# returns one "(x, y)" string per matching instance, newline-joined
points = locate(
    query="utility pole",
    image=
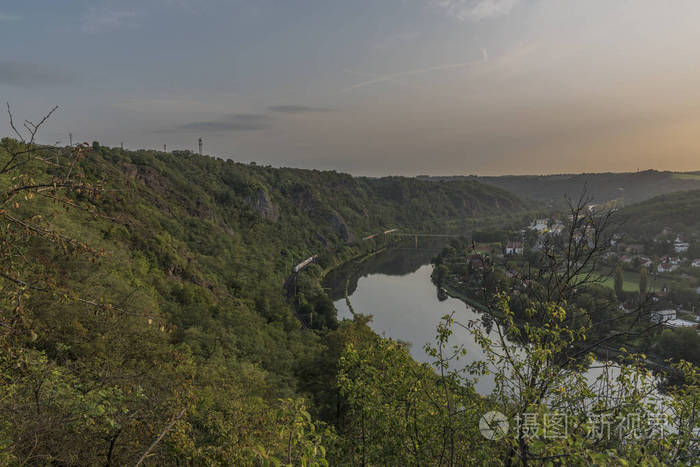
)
(200, 146)
(70, 139)
(165, 148)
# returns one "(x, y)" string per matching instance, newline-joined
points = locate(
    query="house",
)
(696, 263)
(680, 323)
(680, 246)
(514, 248)
(557, 228)
(666, 267)
(668, 264)
(540, 225)
(668, 318)
(662, 316)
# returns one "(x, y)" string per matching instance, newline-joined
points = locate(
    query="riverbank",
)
(653, 362)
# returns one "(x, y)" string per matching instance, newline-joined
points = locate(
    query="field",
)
(656, 281)
(630, 282)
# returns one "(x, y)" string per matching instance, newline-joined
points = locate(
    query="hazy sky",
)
(367, 86)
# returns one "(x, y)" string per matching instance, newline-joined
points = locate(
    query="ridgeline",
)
(181, 315)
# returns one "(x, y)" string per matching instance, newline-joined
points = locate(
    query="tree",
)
(619, 281)
(399, 412)
(643, 279)
(83, 381)
(539, 358)
(440, 274)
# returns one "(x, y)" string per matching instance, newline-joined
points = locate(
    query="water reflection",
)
(395, 288)
(394, 262)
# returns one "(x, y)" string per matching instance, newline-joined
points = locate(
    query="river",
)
(396, 289)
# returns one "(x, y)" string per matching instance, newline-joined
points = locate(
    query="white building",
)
(514, 248)
(540, 225)
(668, 264)
(680, 323)
(662, 316)
(666, 267)
(668, 318)
(680, 246)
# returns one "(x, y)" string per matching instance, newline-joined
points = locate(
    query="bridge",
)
(406, 234)
(415, 235)
(424, 235)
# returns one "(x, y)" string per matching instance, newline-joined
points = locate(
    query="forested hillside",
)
(677, 211)
(147, 296)
(631, 187)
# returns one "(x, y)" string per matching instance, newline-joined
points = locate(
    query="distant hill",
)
(678, 211)
(631, 187)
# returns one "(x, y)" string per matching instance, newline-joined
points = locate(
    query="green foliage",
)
(643, 281)
(619, 281)
(144, 290)
(674, 210)
(399, 412)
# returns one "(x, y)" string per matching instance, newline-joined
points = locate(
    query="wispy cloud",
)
(394, 76)
(31, 75)
(296, 109)
(4, 17)
(234, 122)
(102, 19)
(477, 10)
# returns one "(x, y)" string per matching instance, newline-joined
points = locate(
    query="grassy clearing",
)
(630, 282)
(655, 282)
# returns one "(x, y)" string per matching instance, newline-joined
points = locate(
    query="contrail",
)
(391, 76)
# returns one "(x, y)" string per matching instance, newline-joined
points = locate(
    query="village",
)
(664, 269)
(671, 266)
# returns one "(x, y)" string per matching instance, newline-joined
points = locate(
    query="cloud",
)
(235, 122)
(296, 109)
(30, 75)
(377, 78)
(477, 10)
(102, 19)
(4, 17)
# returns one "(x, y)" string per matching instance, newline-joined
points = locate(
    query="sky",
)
(370, 87)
